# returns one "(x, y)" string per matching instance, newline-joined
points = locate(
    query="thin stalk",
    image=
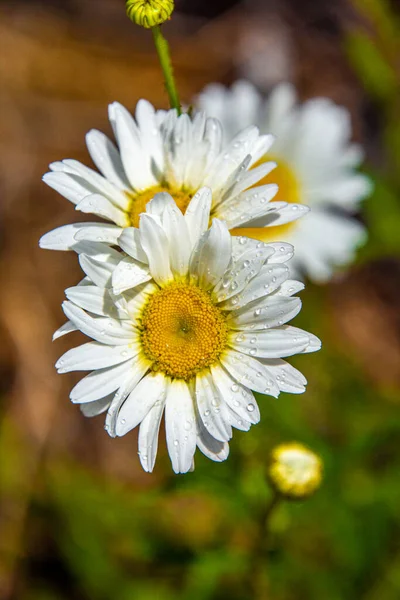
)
(258, 581)
(162, 48)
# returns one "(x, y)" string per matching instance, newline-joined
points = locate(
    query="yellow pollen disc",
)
(139, 200)
(289, 191)
(182, 331)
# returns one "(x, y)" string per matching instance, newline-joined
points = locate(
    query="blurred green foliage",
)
(195, 536)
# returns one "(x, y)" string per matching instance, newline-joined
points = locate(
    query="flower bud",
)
(149, 13)
(295, 472)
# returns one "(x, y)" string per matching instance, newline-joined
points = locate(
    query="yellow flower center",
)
(182, 331)
(182, 198)
(289, 191)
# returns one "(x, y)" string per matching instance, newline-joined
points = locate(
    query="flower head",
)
(161, 152)
(149, 13)
(316, 167)
(188, 321)
(295, 471)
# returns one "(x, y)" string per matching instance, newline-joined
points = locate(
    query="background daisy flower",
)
(159, 151)
(190, 322)
(316, 166)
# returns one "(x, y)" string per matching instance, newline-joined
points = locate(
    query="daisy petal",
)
(99, 232)
(209, 446)
(210, 407)
(99, 383)
(95, 356)
(180, 426)
(265, 313)
(174, 225)
(101, 206)
(242, 272)
(68, 327)
(149, 391)
(159, 203)
(273, 343)
(65, 185)
(290, 287)
(98, 271)
(95, 408)
(127, 385)
(283, 252)
(240, 399)
(103, 330)
(63, 238)
(197, 214)
(155, 244)
(148, 436)
(129, 274)
(129, 241)
(249, 372)
(211, 256)
(106, 158)
(137, 163)
(269, 279)
(287, 377)
(94, 299)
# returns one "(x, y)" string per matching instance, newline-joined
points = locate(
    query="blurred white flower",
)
(189, 321)
(161, 152)
(316, 167)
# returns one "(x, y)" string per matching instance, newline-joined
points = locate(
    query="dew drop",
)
(250, 407)
(234, 387)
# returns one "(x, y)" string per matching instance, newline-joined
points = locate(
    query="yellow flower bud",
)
(295, 471)
(149, 13)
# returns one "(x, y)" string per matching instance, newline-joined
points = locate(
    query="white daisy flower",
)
(189, 322)
(161, 152)
(316, 163)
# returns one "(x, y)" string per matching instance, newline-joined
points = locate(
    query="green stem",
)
(162, 48)
(270, 508)
(258, 582)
